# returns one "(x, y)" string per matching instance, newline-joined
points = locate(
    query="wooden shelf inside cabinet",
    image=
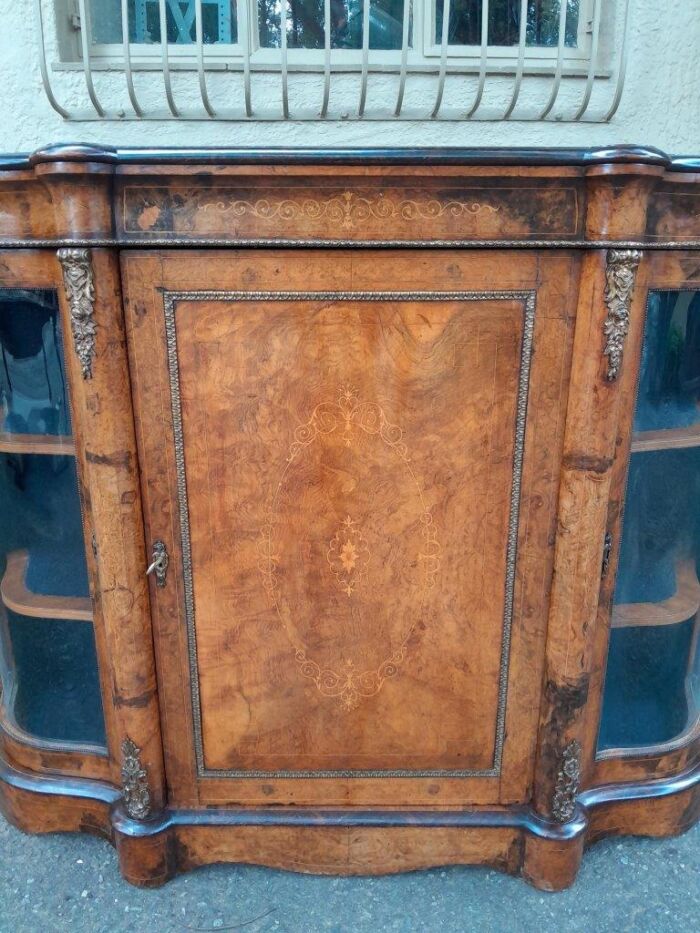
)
(57, 444)
(667, 439)
(19, 599)
(683, 605)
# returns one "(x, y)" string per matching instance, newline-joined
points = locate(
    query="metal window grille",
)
(184, 75)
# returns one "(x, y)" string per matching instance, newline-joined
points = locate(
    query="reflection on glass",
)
(32, 398)
(48, 667)
(669, 381)
(504, 22)
(652, 686)
(306, 24)
(53, 679)
(219, 21)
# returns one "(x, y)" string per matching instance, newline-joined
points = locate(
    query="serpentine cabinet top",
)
(99, 196)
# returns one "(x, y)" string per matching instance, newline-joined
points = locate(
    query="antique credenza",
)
(312, 483)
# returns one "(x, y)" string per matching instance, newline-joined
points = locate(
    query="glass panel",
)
(669, 382)
(306, 24)
(31, 370)
(219, 21)
(54, 676)
(504, 22)
(48, 664)
(652, 684)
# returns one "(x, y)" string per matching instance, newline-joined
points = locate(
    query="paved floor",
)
(57, 883)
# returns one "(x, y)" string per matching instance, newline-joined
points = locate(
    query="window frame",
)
(423, 55)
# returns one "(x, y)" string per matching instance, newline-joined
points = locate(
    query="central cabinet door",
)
(352, 459)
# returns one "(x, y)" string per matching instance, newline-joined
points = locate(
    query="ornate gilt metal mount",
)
(159, 562)
(607, 551)
(80, 290)
(137, 796)
(568, 779)
(620, 274)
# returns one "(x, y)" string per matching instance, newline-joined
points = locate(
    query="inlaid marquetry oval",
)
(361, 529)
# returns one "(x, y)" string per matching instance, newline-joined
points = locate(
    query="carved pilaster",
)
(620, 274)
(80, 290)
(137, 796)
(566, 788)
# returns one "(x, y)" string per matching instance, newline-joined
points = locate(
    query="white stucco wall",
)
(660, 106)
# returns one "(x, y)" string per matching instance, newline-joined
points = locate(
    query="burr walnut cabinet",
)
(313, 470)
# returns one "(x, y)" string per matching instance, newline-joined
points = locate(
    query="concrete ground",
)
(57, 883)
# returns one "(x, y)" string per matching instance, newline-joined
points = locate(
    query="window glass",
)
(504, 22)
(219, 21)
(306, 24)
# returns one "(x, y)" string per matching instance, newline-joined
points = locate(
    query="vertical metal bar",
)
(85, 42)
(44, 67)
(522, 39)
(590, 78)
(560, 59)
(484, 57)
(404, 56)
(127, 59)
(244, 42)
(164, 58)
(443, 57)
(622, 68)
(284, 12)
(327, 56)
(200, 58)
(365, 56)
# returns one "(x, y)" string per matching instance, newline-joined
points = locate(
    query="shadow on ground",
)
(57, 883)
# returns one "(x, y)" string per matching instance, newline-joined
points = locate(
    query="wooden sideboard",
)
(367, 418)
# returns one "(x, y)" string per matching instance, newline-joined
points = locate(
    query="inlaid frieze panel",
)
(674, 213)
(345, 210)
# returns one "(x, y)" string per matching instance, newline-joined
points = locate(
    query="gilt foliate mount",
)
(79, 283)
(567, 783)
(137, 795)
(620, 275)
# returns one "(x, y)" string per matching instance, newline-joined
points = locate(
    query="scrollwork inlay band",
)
(137, 796)
(620, 273)
(347, 209)
(80, 291)
(567, 784)
(170, 303)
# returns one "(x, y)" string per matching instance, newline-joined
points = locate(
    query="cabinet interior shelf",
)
(683, 605)
(667, 439)
(18, 598)
(56, 444)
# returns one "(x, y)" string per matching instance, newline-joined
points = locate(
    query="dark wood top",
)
(85, 152)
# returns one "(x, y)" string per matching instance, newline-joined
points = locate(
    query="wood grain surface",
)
(351, 470)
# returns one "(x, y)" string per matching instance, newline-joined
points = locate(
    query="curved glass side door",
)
(652, 684)
(48, 663)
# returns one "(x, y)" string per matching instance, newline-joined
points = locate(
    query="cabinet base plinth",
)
(349, 842)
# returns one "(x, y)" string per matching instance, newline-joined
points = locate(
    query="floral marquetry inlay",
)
(349, 423)
(348, 556)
